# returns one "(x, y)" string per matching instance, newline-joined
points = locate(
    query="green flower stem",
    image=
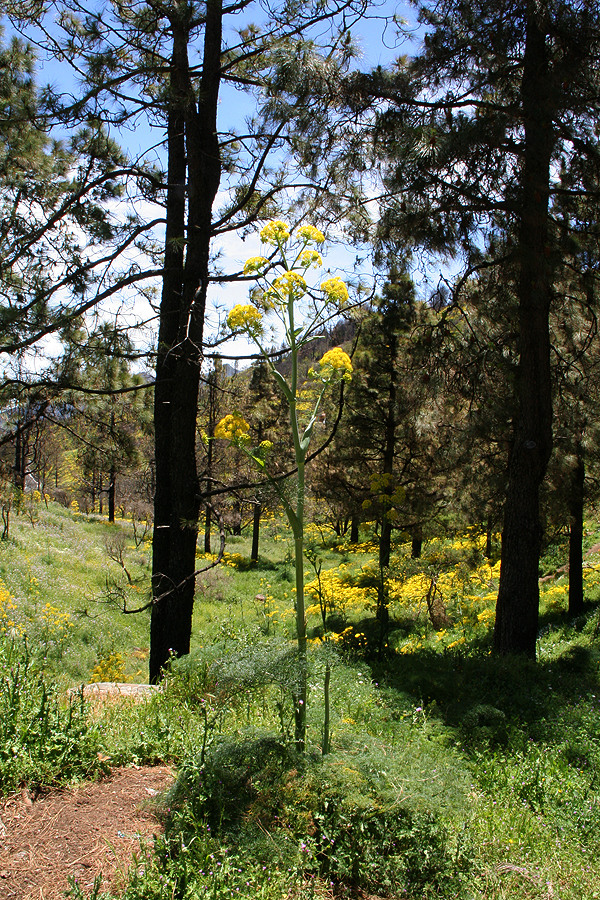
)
(297, 337)
(300, 696)
(295, 516)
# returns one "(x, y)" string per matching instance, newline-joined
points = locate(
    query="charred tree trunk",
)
(416, 544)
(112, 475)
(212, 416)
(385, 540)
(576, 507)
(21, 453)
(257, 512)
(193, 161)
(354, 528)
(517, 607)
(209, 470)
(112, 491)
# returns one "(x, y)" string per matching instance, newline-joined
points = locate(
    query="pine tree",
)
(473, 130)
(391, 432)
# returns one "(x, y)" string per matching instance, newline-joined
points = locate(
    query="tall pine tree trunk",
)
(518, 596)
(576, 507)
(416, 543)
(256, 514)
(21, 452)
(389, 450)
(193, 159)
(112, 483)
(112, 491)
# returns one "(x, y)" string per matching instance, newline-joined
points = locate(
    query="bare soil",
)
(83, 832)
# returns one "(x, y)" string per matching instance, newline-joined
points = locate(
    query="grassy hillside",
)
(451, 773)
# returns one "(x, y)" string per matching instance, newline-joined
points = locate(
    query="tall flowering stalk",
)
(284, 294)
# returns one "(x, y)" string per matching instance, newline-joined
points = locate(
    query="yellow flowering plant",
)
(233, 428)
(335, 290)
(275, 232)
(333, 363)
(280, 295)
(245, 318)
(255, 264)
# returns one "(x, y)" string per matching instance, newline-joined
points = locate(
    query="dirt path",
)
(82, 832)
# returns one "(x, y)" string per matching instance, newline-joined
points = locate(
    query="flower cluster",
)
(335, 290)
(263, 449)
(310, 234)
(245, 318)
(54, 619)
(334, 362)
(290, 285)
(310, 258)
(8, 609)
(275, 232)
(234, 428)
(255, 265)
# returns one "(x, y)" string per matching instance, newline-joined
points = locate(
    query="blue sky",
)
(378, 45)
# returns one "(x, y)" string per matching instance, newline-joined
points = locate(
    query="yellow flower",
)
(245, 318)
(255, 264)
(233, 428)
(261, 452)
(275, 232)
(335, 290)
(336, 360)
(310, 258)
(290, 284)
(310, 233)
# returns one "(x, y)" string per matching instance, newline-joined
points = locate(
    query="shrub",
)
(42, 740)
(336, 819)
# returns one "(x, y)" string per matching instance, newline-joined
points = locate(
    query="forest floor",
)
(86, 831)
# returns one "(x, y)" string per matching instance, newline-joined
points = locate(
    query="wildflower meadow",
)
(440, 778)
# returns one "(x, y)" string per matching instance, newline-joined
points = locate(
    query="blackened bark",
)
(112, 490)
(518, 596)
(385, 545)
(21, 453)
(389, 449)
(576, 506)
(255, 530)
(213, 405)
(112, 484)
(193, 162)
(385, 539)
(207, 528)
(416, 544)
(354, 528)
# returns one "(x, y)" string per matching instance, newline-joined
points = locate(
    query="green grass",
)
(65, 588)
(452, 773)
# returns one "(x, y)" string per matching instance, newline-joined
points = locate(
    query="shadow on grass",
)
(262, 564)
(529, 695)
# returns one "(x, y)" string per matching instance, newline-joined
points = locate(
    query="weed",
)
(42, 741)
(451, 771)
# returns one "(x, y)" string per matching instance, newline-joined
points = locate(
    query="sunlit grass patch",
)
(505, 753)
(57, 572)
